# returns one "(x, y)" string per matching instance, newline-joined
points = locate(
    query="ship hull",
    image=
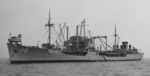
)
(128, 57)
(22, 54)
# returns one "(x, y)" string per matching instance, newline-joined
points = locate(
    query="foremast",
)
(49, 25)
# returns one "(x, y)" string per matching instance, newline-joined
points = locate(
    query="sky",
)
(28, 17)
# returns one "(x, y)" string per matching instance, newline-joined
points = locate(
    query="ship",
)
(75, 48)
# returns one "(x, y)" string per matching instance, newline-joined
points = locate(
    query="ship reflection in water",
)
(75, 48)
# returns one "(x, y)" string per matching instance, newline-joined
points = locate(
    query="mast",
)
(115, 35)
(77, 37)
(67, 37)
(49, 26)
(84, 26)
(81, 29)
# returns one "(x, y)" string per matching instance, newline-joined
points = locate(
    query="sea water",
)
(112, 68)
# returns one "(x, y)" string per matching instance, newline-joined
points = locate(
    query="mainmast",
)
(49, 26)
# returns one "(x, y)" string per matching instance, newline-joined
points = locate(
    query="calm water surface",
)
(118, 68)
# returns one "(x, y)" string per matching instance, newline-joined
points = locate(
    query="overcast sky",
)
(28, 17)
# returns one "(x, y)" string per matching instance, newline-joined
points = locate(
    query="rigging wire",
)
(118, 39)
(107, 44)
(102, 42)
(42, 37)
